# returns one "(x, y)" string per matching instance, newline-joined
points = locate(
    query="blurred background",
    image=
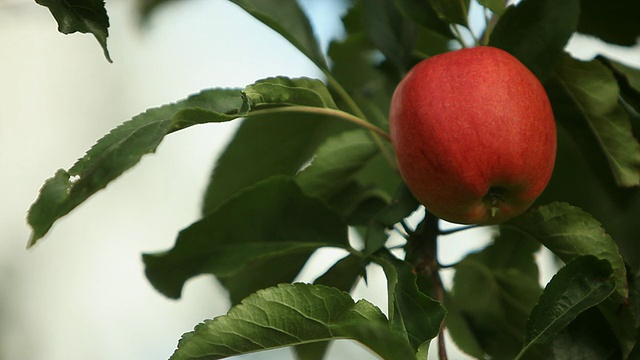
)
(81, 292)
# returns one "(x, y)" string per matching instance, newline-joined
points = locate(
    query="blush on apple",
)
(474, 135)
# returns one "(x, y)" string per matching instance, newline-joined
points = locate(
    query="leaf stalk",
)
(324, 111)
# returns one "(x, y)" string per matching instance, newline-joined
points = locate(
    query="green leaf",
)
(614, 21)
(629, 82)
(630, 74)
(493, 293)
(85, 16)
(569, 233)
(247, 247)
(336, 162)
(355, 64)
(292, 315)
(146, 7)
(411, 312)
(496, 6)
(388, 31)
(452, 11)
(582, 283)
(622, 316)
(422, 13)
(460, 329)
(536, 32)
(587, 337)
(582, 179)
(286, 18)
(401, 206)
(122, 148)
(343, 275)
(271, 142)
(358, 203)
(594, 92)
(285, 91)
(263, 146)
(311, 351)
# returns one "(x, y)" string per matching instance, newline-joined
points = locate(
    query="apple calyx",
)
(494, 198)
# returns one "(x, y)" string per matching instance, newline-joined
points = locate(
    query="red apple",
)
(474, 135)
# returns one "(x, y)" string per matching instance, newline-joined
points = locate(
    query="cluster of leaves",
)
(314, 155)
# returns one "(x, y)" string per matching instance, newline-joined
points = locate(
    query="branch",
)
(422, 252)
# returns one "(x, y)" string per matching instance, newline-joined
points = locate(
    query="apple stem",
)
(495, 197)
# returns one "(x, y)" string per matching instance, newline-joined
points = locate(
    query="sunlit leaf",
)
(581, 284)
(343, 275)
(285, 91)
(122, 148)
(246, 247)
(536, 31)
(292, 315)
(85, 16)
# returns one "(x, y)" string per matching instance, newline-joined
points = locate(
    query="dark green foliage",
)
(246, 247)
(312, 158)
(493, 293)
(139, 136)
(614, 21)
(85, 16)
(290, 315)
(536, 31)
(581, 284)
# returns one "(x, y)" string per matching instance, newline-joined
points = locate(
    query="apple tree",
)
(312, 166)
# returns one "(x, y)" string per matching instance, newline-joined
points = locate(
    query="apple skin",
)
(474, 135)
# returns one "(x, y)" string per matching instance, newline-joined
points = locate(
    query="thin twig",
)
(439, 295)
(453, 231)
